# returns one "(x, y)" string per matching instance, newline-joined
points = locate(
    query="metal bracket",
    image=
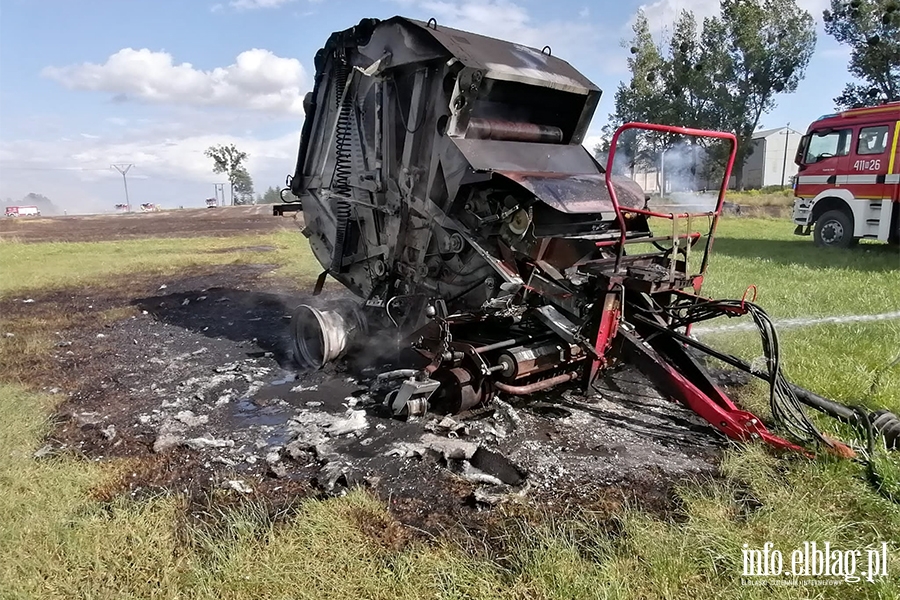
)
(412, 397)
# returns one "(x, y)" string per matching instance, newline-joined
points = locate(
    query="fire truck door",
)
(827, 154)
(868, 177)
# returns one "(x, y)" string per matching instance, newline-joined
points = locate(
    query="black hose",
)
(783, 400)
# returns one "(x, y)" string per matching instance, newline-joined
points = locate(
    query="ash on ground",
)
(202, 381)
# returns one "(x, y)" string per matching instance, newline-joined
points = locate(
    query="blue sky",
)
(87, 83)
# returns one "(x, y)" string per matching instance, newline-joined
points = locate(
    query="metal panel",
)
(499, 155)
(505, 60)
(578, 193)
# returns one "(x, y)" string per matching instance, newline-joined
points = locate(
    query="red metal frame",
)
(723, 414)
(680, 131)
(715, 407)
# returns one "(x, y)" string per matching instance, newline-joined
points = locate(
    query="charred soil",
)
(192, 222)
(194, 384)
(189, 384)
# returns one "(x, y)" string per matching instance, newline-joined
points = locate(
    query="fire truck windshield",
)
(828, 143)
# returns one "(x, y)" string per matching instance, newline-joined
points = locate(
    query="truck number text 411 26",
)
(867, 165)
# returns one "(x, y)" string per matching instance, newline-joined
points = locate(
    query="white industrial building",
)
(772, 159)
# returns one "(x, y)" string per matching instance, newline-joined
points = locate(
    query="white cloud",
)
(169, 165)
(591, 140)
(505, 20)
(663, 13)
(256, 4)
(257, 80)
(178, 157)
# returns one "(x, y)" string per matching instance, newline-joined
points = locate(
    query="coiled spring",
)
(342, 164)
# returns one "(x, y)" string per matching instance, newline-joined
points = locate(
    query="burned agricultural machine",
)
(443, 181)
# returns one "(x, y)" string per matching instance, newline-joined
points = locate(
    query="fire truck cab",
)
(848, 183)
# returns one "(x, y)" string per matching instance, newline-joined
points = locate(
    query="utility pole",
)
(123, 169)
(787, 136)
(220, 187)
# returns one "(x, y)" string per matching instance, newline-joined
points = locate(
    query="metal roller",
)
(513, 131)
(523, 361)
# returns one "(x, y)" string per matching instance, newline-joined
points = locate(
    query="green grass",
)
(59, 537)
(796, 278)
(28, 267)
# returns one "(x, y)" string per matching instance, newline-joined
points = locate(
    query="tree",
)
(272, 196)
(230, 161)
(723, 76)
(643, 100)
(871, 28)
(768, 47)
(242, 187)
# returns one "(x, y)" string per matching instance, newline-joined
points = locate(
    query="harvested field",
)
(221, 221)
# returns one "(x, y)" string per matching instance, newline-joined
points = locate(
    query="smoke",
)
(684, 176)
(628, 158)
(43, 203)
(689, 177)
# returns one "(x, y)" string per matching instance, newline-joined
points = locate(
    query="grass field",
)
(768, 197)
(60, 537)
(66, 264)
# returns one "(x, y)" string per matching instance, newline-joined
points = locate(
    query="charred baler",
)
(442, 180)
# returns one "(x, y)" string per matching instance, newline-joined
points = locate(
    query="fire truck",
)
(848, 180)
(22, 211)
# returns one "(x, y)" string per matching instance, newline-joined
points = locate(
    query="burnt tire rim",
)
(832, 231)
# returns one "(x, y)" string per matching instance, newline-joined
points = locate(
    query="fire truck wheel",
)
(834, 229)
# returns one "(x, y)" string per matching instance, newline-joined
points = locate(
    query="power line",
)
(123, 169)
(146, 177)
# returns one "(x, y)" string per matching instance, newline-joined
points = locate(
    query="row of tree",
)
(726, 72)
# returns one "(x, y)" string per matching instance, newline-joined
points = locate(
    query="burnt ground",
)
(228, 220)
(198, 388)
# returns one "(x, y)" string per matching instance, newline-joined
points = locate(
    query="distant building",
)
(769, 164)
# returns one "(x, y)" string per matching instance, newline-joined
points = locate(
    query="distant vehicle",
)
(149, 207)
(22, 211)
(211, 202)
(122, 207)
(848, 185)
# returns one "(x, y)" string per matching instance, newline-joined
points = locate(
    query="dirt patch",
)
(197, 388)
(242, 249)
(193, 222)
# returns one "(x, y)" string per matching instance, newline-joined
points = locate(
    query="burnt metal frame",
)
(664, 359)
(721, 199)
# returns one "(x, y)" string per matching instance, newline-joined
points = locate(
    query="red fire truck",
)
(848, 182)
(22, 211)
